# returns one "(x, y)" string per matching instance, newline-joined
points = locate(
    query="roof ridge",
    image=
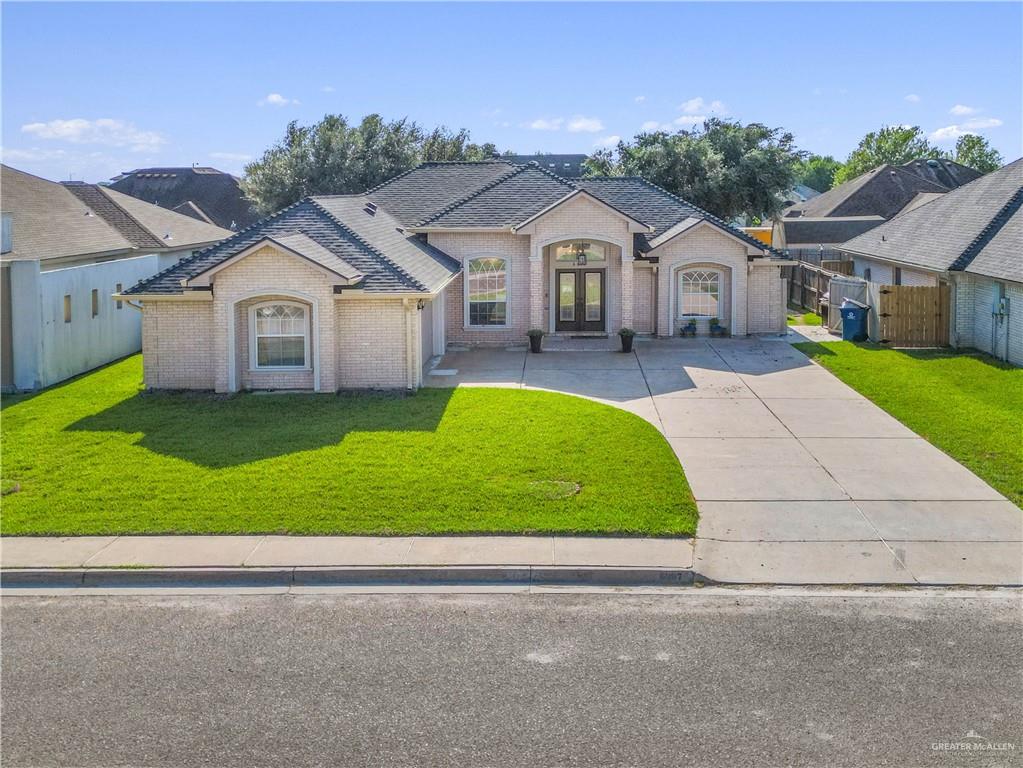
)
(515, 170)
(423, 163)
(999, 220)
(225, 241)
(710, 216)
(103, 191)
(365, 244)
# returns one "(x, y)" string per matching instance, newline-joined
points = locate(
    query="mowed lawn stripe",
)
(967, 404)
(99, 456)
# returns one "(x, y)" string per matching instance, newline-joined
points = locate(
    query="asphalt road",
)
(510, 680)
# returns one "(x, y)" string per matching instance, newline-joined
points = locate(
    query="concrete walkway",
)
(798, 478)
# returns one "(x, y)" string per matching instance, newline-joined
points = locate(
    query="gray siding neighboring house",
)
(860, 204)
(970, 238)
(66, 250)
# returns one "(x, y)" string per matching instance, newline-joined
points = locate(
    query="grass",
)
(967, 404)
(98, 456)
(797, 316)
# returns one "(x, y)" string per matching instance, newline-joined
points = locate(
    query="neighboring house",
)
(971, 238)
(860, 204)
(360, 291)
(568, 166)
(66, 250)
(205, 194)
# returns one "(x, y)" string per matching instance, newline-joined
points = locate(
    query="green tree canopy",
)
(817, 172)
(895, 144)
(975, 152)
(727, 168)
(334, 157)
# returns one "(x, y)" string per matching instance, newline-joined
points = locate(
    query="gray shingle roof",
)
(427, 188)
(569, 166)
(883, 191)
(391, 261)
(975, 228)
(100, 204)
(507, 200)
(216, 193)
(827, 230)
(947, 173)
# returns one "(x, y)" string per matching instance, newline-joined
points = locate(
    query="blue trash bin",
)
(854, 320)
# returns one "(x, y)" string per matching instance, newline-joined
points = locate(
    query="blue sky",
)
(93, 89)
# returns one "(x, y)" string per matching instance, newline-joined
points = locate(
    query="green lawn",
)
(798, 316)
(98, 456)
(968, 405)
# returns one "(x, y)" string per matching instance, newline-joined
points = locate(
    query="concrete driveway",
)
(798, 478)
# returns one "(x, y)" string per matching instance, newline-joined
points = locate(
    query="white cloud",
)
(105, 131)
(699, 106)
(912, 98)
(639, 99)
(654, 125)
(234, 157)
(607, 141)
(690, 120)
(953, 132)
(581, 124)
(327, 89)
(961, 110)
(544, 124)
(33, 154)
(276, 100)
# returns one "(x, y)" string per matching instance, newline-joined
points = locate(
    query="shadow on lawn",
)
(223, 432)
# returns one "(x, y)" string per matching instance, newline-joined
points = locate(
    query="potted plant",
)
(716, 329)
(689, 329)
(626, 335)
(535, 340)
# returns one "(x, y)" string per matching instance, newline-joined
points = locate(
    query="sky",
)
(93, 89)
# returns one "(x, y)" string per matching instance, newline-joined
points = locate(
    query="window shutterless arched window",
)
(486, 291)
(579, 251)
(699, 293)
(278, 335)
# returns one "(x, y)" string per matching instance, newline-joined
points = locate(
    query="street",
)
(713, 678)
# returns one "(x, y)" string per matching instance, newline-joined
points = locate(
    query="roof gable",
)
(298, 245)
(883, 191)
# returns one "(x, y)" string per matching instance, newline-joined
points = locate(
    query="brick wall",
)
(703, 247)
(373, 344)
(467, 245)
(255, 379)
(766, 302)
(643, 301)
(177, 340)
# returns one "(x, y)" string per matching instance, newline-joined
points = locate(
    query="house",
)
(568, 166)
(66, 249)
(360, 291)
(969, 238)
(205, 194)
(860, 204)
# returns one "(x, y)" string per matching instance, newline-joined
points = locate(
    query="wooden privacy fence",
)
(807, 282)
(913, 315)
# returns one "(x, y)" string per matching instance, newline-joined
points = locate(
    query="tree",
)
(725, 167)
(896, 144)
(975, 152)
(336, 157)
(817, 172)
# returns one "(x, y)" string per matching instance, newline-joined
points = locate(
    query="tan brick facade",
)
(177, 341)
(644, 300)
(765, 305)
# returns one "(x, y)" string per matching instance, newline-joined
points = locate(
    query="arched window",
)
(486, 291)
(579, 251)
(699, 293)
(278, 335)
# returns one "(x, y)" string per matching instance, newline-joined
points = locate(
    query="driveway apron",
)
(798, 477)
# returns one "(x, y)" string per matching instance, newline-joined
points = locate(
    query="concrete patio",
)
(798, 477)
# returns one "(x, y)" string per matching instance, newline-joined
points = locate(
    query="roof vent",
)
(371, 208)
(933, 163)
(891, 173)
(168, 236)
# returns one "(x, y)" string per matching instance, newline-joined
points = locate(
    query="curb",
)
(303, 576)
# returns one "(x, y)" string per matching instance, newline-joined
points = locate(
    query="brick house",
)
(360, 291)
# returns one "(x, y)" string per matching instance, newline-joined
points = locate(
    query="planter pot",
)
(626, 343)
(536, 344)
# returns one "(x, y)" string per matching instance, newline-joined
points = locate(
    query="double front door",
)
(581, 300)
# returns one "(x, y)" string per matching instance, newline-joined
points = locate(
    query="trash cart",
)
(854, 320)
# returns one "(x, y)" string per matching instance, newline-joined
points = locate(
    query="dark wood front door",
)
(581, 300)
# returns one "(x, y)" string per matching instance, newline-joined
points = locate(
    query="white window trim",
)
(507, 293)
(254, 366)
(679, 308)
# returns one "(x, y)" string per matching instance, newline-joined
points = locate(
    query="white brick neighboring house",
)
(970, 238)
(361, 291)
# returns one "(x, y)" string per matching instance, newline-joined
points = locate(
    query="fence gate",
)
(913, 315)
